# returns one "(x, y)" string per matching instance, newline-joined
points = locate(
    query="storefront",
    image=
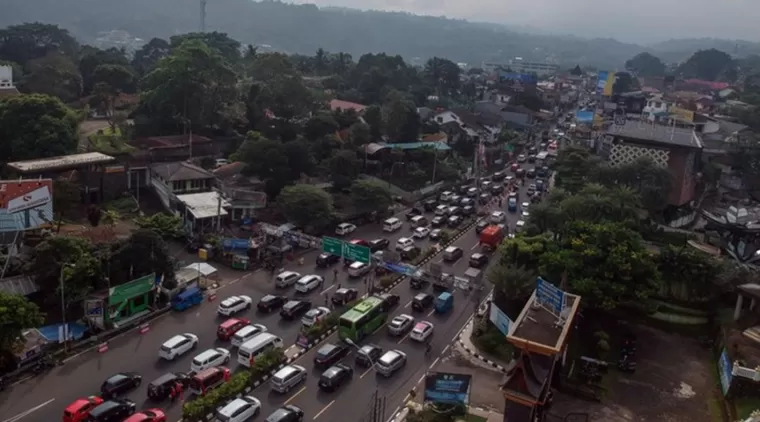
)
(122, 304)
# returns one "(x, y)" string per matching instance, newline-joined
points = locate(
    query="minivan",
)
(208, 379)
(419, 221)
(358, 269)
(287, 378)
(246, 333)
(446, 196)
(392, 224)
(390, 362)
(254, 347)
(442, 210)
(286, 278)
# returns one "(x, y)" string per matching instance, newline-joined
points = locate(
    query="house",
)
(178, 178)
(244, 194)
(516, 117)
(720, 138)
(656, 107)
(460, 124)
(7, 88)
(336, 105)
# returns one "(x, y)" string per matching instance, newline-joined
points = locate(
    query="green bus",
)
(364, 319)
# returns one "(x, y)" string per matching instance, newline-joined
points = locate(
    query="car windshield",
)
(325, 351)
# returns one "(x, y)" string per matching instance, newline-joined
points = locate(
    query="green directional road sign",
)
(332, 246)
(356, 252)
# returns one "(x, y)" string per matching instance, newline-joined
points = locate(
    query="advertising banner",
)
(601, 81)
(584, 116)
(682, 113)
(608, 84)
(442, 387)
(500, 319)
(25, 204)
(725, 371)
(550, 296)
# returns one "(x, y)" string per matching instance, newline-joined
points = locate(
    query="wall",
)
(681, 167)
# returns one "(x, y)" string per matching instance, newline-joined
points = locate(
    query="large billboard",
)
(447, 388)
(601, 81)
(681, 113)
(25, 204)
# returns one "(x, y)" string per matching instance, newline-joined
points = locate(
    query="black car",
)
(531, 158)
(344, 295)
(543, 172)
(482, 224)
(119, 384)
(422, 301)
(484, 198)
(418, 283)
(324, 260)
(430, 205)
(520, 173)
(467, 210)
(466, 201)
(112, 410)
(478, 260)
(389, 300)
(536, 198)
(335, 376)
(379, 244)
(455, 221)
(287, 413)
(531, 174)
(271, 303)
(368, 355)
(438, 221)
(533, 150)
(330, 354)
(412, 213)
(160, 388)
(435, 234)
(498, 176)
(294, 309)
(410, 252)
(497, 189)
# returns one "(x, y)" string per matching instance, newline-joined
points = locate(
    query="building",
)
(336, 105)
(655, 107)
(171, 179)
(518, 65)
(7, 88)
(674, 148)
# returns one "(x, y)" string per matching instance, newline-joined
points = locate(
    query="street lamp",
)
(65, 330)
(351, 343)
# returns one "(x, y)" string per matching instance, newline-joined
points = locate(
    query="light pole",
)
(61, 287)
(351, 343)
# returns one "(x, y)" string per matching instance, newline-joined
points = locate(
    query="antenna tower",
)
(203, 15)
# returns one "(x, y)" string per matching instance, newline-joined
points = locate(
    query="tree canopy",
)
(707, 65)
(307, 206)
(646, 65)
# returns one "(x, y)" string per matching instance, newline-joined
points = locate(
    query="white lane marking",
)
(431, 312)
(327, 290)
(323, 409)
(404, 338)
(393, 414)
(366, 372)
(420, 380)
(434, 362)
(295, 395)
(408, 304)
(443, 352)
(28, 412)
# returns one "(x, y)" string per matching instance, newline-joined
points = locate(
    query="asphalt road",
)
(44, 397)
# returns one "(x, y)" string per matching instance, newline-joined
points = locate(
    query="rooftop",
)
(662, 134)
(204, 205)
(180, 170)
(172, 141)
(537, 326)
(60, 163)
(346, 105)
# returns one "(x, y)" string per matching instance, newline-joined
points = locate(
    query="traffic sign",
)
(356, 252)
(550, 296)
(332, 246)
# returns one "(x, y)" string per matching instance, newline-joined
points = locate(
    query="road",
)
(43, 398)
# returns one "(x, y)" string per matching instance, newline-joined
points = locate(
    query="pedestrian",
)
(338, 286)
(173, 392)
(412, 393)
(499, 202)
(335, 276)
(327, 299)
(321, 282)
(179, 390)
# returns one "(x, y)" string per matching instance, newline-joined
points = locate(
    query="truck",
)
(491, 237)
(472, 279)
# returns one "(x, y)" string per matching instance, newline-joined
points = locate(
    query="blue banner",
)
(235, 243)
(520, 77)
(601, 81)
(550, 296)
(725, 371)
(584, 116)
(399, 268)
(441, 387)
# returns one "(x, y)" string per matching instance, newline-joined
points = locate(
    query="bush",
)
(323, 326)
(492, 342)
(446, 236)
(387, 280)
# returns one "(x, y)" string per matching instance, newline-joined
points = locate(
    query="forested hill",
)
(305, 28)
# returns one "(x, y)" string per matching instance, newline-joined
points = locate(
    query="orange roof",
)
(346, 105)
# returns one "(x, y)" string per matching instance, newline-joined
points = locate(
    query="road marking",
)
(445, 349)
(420, 380)
(431, 312)
(325, 291)
(366, 372)
(28, 412)
(323, 409)
(295, 395)
(404, 338)
(393, 414)
(475, 246)
(434, 362)
(408, 304)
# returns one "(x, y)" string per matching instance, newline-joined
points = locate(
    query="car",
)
(435, 234)
(287, 413)
(379, 244)
(514, 167)
(497, 190)
(210, 358)
(148, 415)
(441, 210)
(358, 269)
(335, 376)
(525, 215)
(531, 158)
(330, 354)
(454, 221)
(525, 206)
(308, 283)
(325, 260)
(472, 192)
(535, 198)
(531, 174)
(498, 176)
(421, 331)
(446, 196)
(240, 409)
(466, 201)
(421, 232)
(178, 346)
(286, 279)
(410, 252)
(521, 158)
(314, 315)
(271, 303)
(482, 224)
(403, 242)
(497, 217)
(478, 260)
(294, 308)
(455, 211)
(368, 355)
(79, 409)
(531, 190)
(520, 173)
(422, 301)
(246, 333)
(228, 328)
(344, 229)
(486, 184)
(455, 199)
(484, 198)
(429, 205)
(112, 410)
(160, 388)
(234, 304)
(400, 324)
(520, 224)
(344, 295)
(390, 362)
(118, 384)
(438, 221)
(390, 300)
(413, 212)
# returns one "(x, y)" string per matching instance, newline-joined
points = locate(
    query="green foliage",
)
(368, 196)
(166, 226)
(387, 280)
(29, 41)
(92, 58)
(646, 65)
(493, 343)
(144, 252)
(344, 169)
(687, 274)
(400, 119)
(267, 159)
(147, 57)
(306, 206)
(323, 326)
(706, 64)
(55, 75)
(16, 315)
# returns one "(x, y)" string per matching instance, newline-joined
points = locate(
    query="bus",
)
(363, 319)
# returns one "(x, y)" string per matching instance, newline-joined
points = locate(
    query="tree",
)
(110, 81)
(651, 182)
(360, 134)
(36, 126)
(320, 125)
(166, 226)
(444, 75)
(300, 159)
(16, 315)
(144, 252)
(529, 99)
(266, 159)
(344, 169)
(92, 58)
(29, 41)
(369, 196)
(646, 65)
(705, 64)
(306, 206)
(373, 115)
(54, 74)
(624, 82)
(266, 67)
(286, 97)
(573, 168)
(688, 275)
(400, 119)
(220, 42)
(147, 57)
(577, 71)
(66, 197)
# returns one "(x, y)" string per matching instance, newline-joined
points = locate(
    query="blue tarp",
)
(584, 116)
(51, 332)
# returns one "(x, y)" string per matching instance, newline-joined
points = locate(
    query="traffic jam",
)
(378, 340)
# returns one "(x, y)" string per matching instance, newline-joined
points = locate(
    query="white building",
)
(656, 106)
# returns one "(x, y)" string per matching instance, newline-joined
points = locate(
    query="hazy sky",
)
(640, 21)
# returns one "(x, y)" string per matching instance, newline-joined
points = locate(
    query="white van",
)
(286, 278)
(358, 269)
(288, 377)
(392, 224)
(247, 333)
(256, 346)
(419, 221)
(446, 196)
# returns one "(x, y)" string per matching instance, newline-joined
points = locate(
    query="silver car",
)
(400, 324)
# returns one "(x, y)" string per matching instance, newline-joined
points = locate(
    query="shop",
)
(122, 304)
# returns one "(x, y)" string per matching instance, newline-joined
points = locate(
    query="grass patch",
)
(107, 141)
(745, 406)
(125, 205)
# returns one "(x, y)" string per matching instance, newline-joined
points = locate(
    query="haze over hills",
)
(305, 28)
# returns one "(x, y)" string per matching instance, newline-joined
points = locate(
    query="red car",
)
(228, 328)
(150, 415)
(80, 409)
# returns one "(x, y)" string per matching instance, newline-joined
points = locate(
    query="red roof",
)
(715, 86)
(18, 188)
(346, 105)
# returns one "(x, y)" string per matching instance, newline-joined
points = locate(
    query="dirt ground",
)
(672, 383)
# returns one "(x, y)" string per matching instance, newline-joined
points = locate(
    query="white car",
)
(421, 232)
(239, 410)
(520, 224)
(525, 205)
(358, 269)
(286, 278)
(403, 243)
(209, 359)
(344, 229)
(422, 330)
(497, 217)
(234, 304)
(525, 215)
(308, 283)
(246, 333)
(400, 324)
(314, 315)
(178, 346)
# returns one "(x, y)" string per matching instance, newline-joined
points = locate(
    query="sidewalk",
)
(465, 346)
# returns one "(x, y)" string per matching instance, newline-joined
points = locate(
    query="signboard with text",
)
(346, 250)
(447, 388)
(500, 319)
(550, 296)
(25, 204)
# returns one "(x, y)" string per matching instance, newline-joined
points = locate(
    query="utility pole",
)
(435, 164)
(203, 15)
(218, 211)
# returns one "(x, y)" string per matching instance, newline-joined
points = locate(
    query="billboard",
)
(519, 77)
(725, 368)
(601, 81)
(447, 388)
(500, 319)
(608, 84)
(681, 113)
(584, 116)
(25, 204)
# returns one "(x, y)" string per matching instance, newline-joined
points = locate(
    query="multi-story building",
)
(519, 65)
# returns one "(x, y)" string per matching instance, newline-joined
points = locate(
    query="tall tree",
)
(220, 42)
(344, 169)
(705, 64)
(147, 57)
(646, 65)
(400, 119)
(443, 75)
(29, 41)
(307, 206)
(17, 314)
(93, 57)
(54, 74)
(369, 196)
(267, 159)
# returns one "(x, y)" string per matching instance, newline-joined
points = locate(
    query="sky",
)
(639, 21)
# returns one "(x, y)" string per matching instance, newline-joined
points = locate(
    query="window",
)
(138, 301)
(658, 104)
(197, 183)
(177, 186)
